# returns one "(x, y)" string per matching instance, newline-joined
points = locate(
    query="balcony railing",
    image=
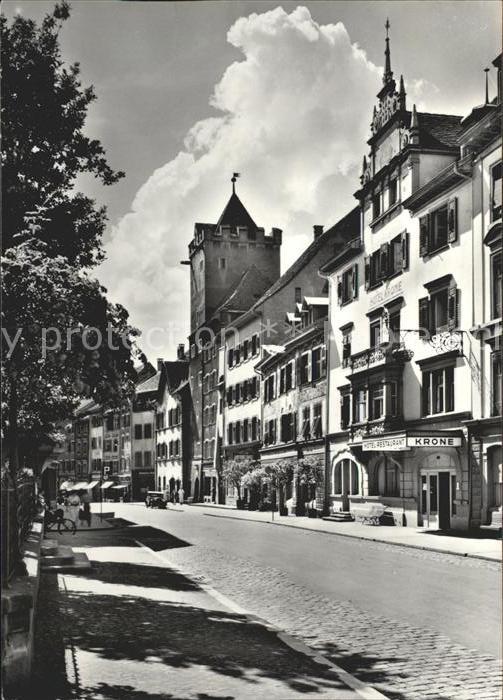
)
(377, 427)
(372, 357)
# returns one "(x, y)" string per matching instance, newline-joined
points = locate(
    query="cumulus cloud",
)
(293, 118)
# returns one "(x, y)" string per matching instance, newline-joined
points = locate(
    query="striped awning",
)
(92, 484)
(107, 484)
(65, 485)
(81, 486)
(121, 486)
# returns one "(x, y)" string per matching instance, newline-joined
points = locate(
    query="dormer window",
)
(225, 230)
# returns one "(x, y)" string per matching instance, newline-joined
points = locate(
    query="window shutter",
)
(294, 373)
(424, 313)
(424, 235)
(354, 280)
(405, 249)
(309, 368)
(323, 361)
(452, 308)
(339, 289)
(367, 271)
(452, 220)
(383, 261)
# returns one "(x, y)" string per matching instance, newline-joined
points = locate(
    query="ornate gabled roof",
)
(235, 214)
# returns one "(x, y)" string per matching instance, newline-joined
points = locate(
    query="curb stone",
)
(365, 691)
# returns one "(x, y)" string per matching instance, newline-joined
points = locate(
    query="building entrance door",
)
(437, 495)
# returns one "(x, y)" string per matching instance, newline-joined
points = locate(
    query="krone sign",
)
(434, 441)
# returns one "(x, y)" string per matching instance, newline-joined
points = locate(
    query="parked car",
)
(155, 499)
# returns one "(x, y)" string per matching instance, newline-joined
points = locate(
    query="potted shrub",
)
(310, 473)
(233, 471)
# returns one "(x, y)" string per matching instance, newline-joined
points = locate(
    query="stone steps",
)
(340, 517)
(60, 557)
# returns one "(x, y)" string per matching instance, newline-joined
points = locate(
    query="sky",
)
(190, 92)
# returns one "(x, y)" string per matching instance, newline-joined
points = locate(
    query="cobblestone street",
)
(132, 628)
(402, 660)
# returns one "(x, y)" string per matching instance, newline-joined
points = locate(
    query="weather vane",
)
(233, 180)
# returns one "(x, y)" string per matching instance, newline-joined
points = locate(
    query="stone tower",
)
(221, 253)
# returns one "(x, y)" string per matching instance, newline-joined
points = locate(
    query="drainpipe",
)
(326, 508)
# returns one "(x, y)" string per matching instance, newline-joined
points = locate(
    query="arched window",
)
(345, 478)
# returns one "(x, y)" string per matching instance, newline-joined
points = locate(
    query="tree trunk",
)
(13, 455)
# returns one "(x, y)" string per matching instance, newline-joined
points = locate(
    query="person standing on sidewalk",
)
(86, 508)
(74, 507)
(181, 495)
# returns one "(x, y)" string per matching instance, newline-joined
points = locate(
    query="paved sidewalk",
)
(485, 546)
(135, 629)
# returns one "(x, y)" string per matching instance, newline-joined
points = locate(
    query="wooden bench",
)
(368, 513)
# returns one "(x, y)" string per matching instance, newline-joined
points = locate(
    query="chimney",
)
(180, 352)
(318, 230)
(159, 363)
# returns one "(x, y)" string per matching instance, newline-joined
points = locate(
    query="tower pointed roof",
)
(388, 73)
(235, 213)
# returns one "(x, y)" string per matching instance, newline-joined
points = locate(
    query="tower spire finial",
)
(486, 71)
(233, 180)
(388, 74)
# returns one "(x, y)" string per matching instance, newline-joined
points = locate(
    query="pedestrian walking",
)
(85, 512)
(181, 495)
(74, 507)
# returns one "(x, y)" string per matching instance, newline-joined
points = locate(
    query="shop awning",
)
(65, 485)
(107, 484)
(81, 486)
(121, 486)
(92, 484)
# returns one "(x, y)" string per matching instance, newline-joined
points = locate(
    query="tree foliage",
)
(44, 148)
(233, 470)
(309, 471)
(51, 239)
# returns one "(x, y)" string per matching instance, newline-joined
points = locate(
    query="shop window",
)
(496, 186)
(438, 228)
(496, 379)
(345, 479)
(496, 283)
(438, 391)
(388, 478)
(347, 285)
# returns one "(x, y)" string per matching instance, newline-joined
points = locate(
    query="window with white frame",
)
(305, 368)
(376, 401)
(438, 228)
(360, 405)
(496, 185)
(270, 432)
(346, 347)
(439, 312)
(438, 391)
(306, 423)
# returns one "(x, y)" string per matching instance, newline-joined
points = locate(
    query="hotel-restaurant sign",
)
(398, 443)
